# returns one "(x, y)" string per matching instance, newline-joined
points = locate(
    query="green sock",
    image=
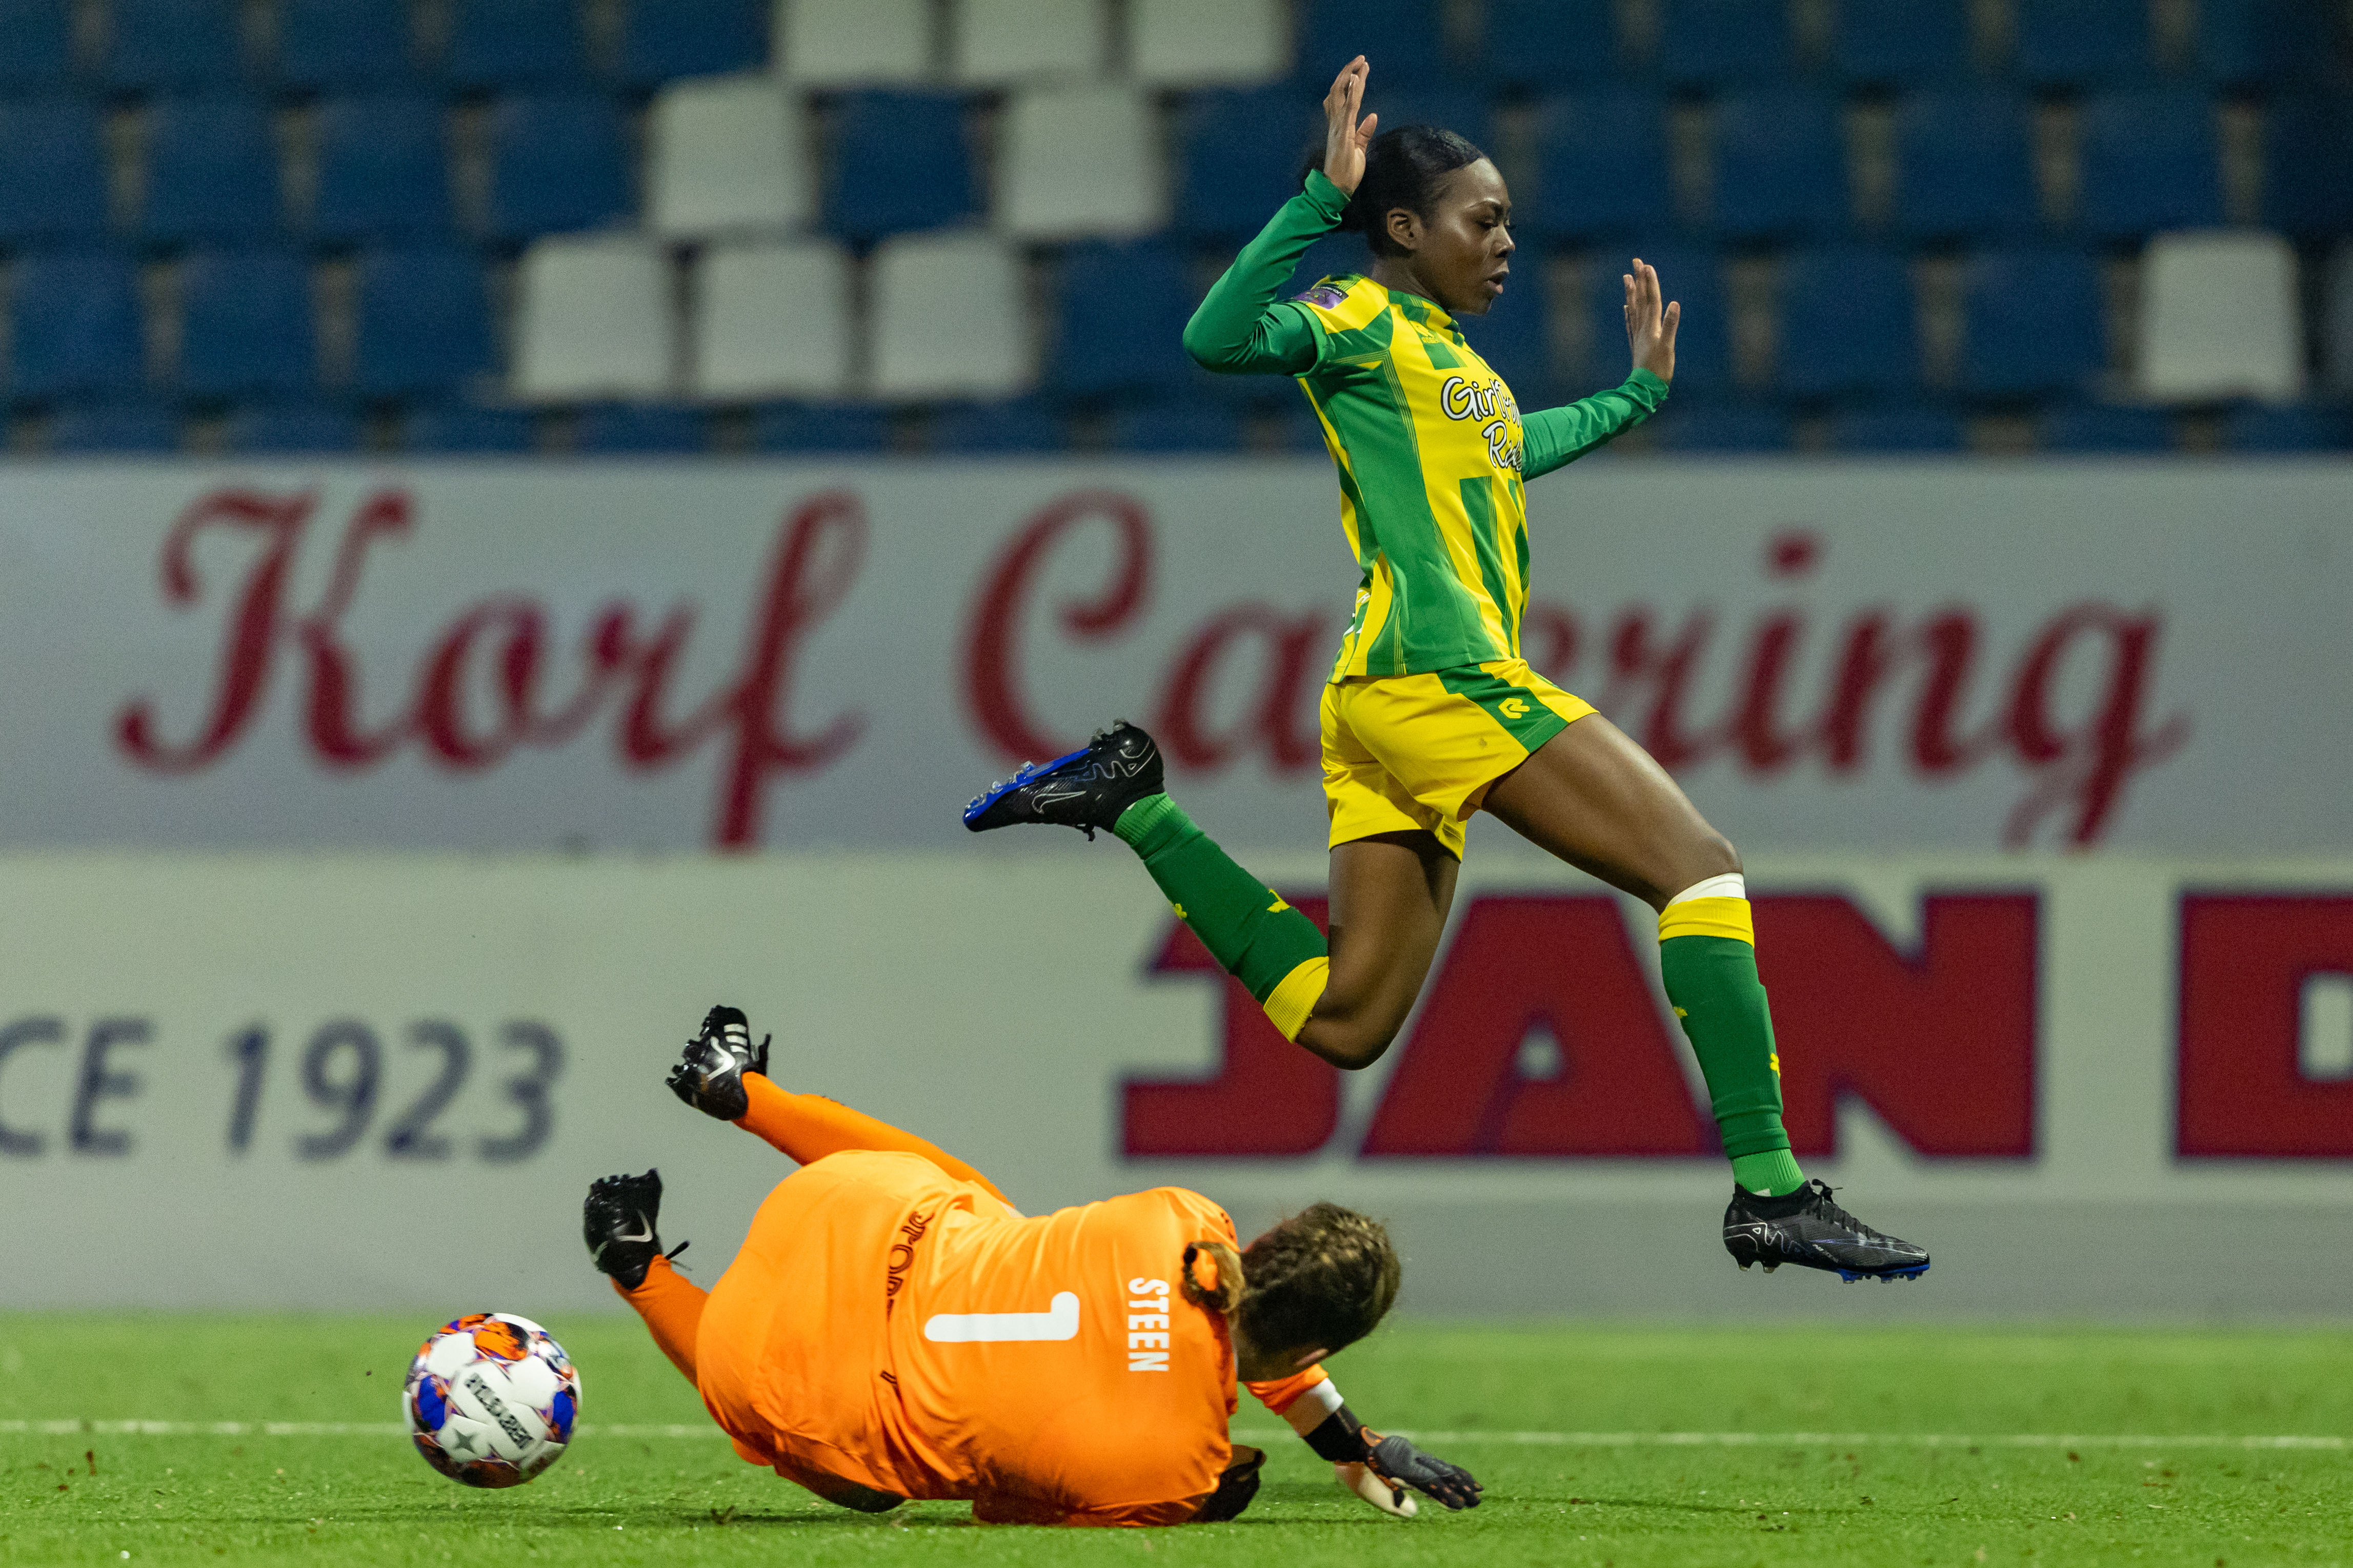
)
(1711, 980)
(1272, 949)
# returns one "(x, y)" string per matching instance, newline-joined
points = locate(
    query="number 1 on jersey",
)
(1058, 1321)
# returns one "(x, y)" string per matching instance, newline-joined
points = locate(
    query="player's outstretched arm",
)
(1555, 437)
(1377, 1469)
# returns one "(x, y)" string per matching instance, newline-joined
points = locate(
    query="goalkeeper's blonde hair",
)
(1323, 1278)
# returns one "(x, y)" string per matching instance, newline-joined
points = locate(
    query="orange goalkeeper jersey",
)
(889, 1325)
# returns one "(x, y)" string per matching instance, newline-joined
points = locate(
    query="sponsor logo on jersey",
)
(902, 1253)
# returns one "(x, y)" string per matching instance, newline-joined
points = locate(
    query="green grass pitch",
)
(2066, 1447)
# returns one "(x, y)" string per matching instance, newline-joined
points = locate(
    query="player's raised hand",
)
(1344, 140)
(1399, 1464)
(1651, 331)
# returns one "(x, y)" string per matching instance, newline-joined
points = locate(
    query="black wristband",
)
(1341, 1439)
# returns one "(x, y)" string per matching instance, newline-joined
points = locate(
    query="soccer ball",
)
(491, 1400)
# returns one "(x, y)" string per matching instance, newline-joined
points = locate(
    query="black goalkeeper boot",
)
(1086, 790)
(709, 1072)
(618, 1220)
(1808, 1229)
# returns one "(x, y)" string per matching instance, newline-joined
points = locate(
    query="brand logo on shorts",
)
(1513, 708)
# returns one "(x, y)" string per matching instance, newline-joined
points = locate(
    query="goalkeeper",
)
(893, 1328)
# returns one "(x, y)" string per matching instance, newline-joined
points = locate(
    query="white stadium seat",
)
(2219, 316)
(998, 41)
(1076, 161)
(1208, 42)
(853, 42)
(771, 319)
(949, 318)
(593, 318)
(726, 154)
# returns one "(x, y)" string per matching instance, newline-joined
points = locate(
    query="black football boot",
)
(1086, 790)
(1808, 1229)
(709, 1072)
(618, 1220)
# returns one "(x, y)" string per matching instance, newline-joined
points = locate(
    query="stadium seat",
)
(2148, 161)
(337, 46)
(2262, 43)
(1239, 155)
(1964, 166)
(53, 181)
(1119, 314)
(272, 428)
(1454, 108)
(853, 42)
(644, 429)
(1898, 429)
(2106, 427)
(1689, 274)
(2307, 147)
(1208, 42)
(382, 169)
(421, 320)
(1020, 425)
(1546, 44)
(772, 319)
(212, 171)
(152, 45)
(40, 52)
(2337, 322)
(246, 323)
(1713, 44)
(1514, 337)
(1711, 427)
(660, 39)
(996, 43)
(1848, 325)
(515, 44)
(1336, 255)
(558, 163)
(821, 427)
(593, 318)
(1188, 427)
(2302, 429)
(1779, 165)
(1405, 38)
(947, 318)
(1899, 43)
(461, 429)
(1602, 165)
(2030, 322)
(2219, 318)
(1077, 161)
(2082, 43)
(726, 154)
(77, 324)
(900, 162)
(124, 425)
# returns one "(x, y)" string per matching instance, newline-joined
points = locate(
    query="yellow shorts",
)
(1406, 752)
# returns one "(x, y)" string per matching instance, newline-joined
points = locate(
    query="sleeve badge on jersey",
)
(1325, 296)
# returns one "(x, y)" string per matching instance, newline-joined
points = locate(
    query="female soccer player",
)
(1430, 713)
(892, 1328)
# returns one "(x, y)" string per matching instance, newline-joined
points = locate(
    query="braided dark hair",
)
(1323, 1278)
(1403, 168)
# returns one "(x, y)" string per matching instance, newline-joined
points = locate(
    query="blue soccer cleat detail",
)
(1807, 1228)
(1086, 790)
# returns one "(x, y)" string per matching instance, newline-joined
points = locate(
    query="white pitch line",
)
(1518, 1440)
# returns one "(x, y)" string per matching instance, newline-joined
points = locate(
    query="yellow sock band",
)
(1292, 1000)
(1708, 917)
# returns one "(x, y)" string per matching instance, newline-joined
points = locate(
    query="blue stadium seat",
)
(1021, 425)
(461, 429)
(382, 169)
(558, 163)
(183, 44)
(1848, 326)
(795, 427)
(1290, 426)
(340, 45)
(1336, 255)
(642, 427)
(421, 321)
(1239, 155)
(2258, 42)
(1550, 43)
(1781, 165)
(77, 324)
(2149, 162)
(1689, 275)
(1191, 426)
(900, 162)
(2082, 43)
(1723, 43)
(121, 424)
(1964, 165)
(52, 170)
(1403, 37)
(1454, 108)
(2106, 427)
(2301, 428)
(40, 43)
(1901, 42)
(2030, 322)
(1722, 428)
(1899, 429)
(245, 323)
(1514, 337)
(212, 171)
(2307, 148)
(1119, 316)
(515, 43)
(1602, 165)
(290, 428)
(665, 38)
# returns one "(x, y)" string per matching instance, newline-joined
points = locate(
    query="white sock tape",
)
(1731, 885)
